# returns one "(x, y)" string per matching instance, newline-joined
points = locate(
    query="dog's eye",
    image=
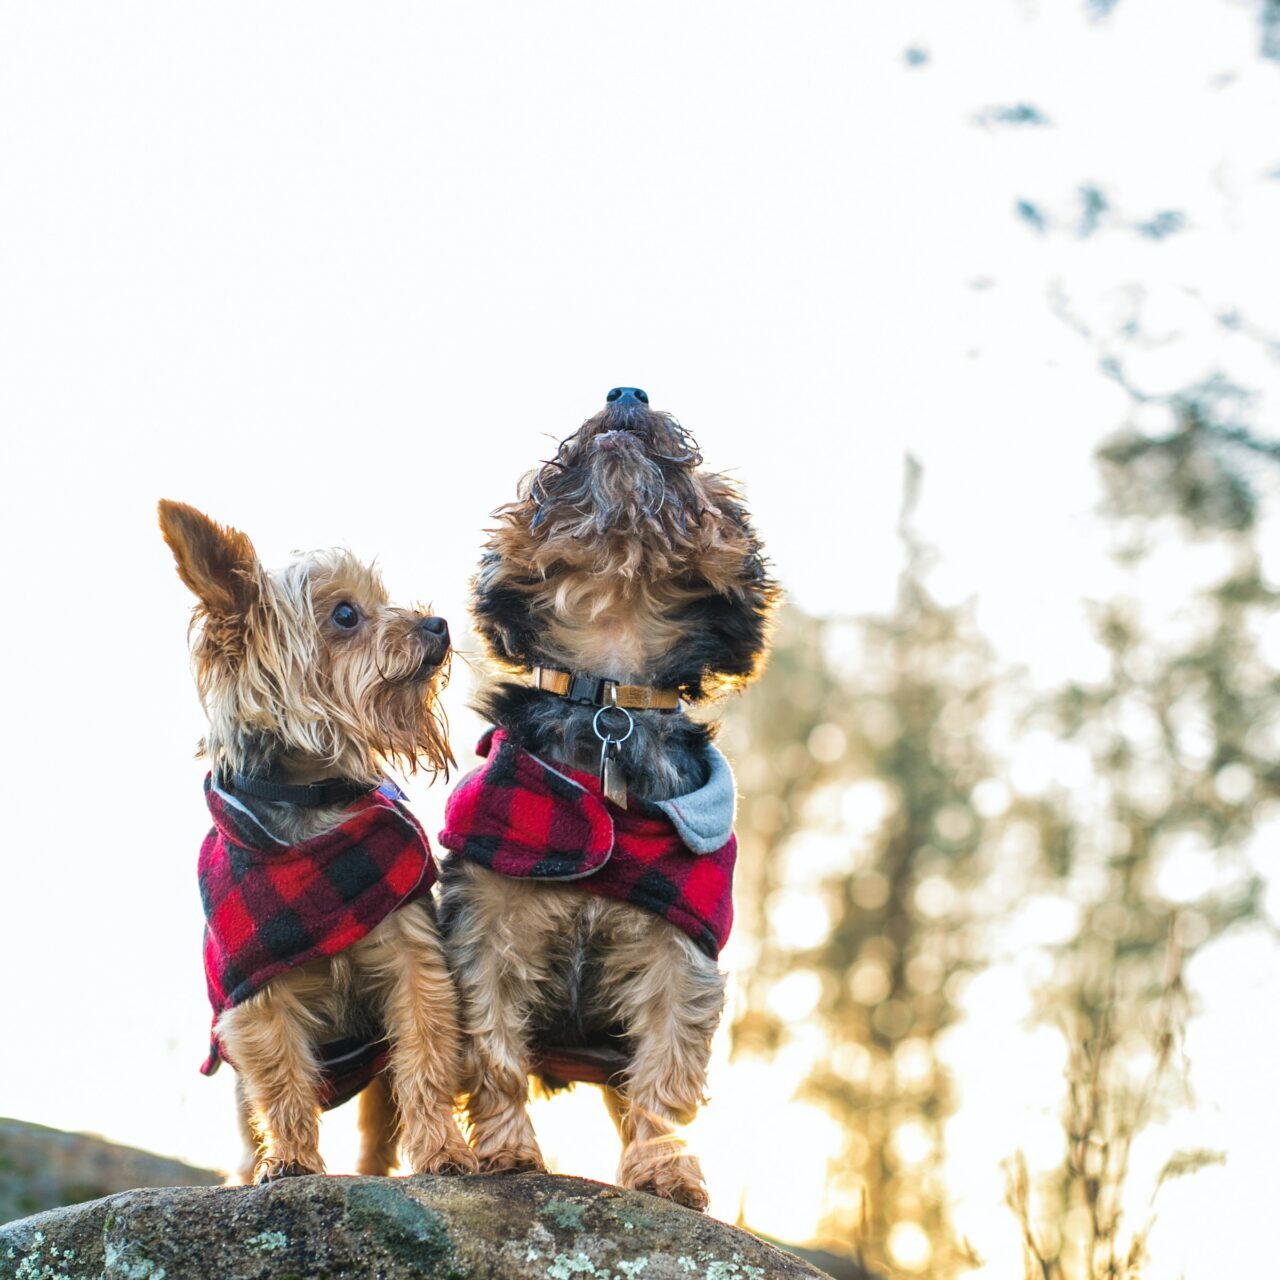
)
(346, 616)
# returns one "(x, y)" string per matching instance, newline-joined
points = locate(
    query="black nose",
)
(627, 396)
(436, 626)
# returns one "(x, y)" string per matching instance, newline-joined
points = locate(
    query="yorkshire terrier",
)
(324, 966)
(587, 894)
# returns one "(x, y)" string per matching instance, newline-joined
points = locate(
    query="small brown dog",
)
(324, 966)
(587, 894)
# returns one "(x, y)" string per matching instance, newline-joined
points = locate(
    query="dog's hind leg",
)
(269, 1038)
(615, 1102)
(250, 1137)
(669, 996)
(379, 1124)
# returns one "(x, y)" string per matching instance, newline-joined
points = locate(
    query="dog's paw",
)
(521, 1160)
(452, 1158)
(462, 1160)
(272, 1169)
(677, 1178)
(691, 1194)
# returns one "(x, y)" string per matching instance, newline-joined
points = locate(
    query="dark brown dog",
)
(622, 574)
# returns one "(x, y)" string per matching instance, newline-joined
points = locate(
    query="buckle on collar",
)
(591, 690)
(588, 690)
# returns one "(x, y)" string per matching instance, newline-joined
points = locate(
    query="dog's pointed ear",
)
(217, 562)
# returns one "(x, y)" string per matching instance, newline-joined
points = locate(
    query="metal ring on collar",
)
(605, 737)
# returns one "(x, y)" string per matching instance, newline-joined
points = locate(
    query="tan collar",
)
(598, 691)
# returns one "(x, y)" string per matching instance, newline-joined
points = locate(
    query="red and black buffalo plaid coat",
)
(519, 816)
(271, 906)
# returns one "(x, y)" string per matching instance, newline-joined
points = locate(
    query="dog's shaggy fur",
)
(292, 695)
(622, 558)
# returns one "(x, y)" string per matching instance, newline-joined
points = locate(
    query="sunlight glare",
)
(909, 1246)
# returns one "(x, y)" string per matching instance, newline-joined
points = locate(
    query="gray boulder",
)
(476, 1228)
(42, 1168)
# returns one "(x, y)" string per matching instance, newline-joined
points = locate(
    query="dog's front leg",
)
(497, 1071)
(501, 1131)
(422, 1023)
(670, 996)
(498, 938)
(269, 1038)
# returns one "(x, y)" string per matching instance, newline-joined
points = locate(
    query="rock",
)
(496, 1227)
(835, 1266)
(41, 1168)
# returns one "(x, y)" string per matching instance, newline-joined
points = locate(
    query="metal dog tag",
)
(613, 782)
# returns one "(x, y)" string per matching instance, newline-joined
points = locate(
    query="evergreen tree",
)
(1181, 734)
(869, 729)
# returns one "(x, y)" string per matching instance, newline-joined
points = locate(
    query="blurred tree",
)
(1177, 736)
(1181, 737)
(769, 738)
(873, 758)
(877, 868)
(874, 859)
(1268, 12)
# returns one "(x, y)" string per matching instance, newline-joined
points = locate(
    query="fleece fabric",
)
(270, 906)
(519, 816)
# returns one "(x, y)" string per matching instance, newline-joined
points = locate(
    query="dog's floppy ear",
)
(217, 562)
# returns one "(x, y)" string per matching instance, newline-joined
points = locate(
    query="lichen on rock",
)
(522, 1227)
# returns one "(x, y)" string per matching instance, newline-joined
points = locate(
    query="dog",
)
(586, 893)
(324, 966)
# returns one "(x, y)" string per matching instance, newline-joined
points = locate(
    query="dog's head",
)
(310, 663)
(626, 471)
(623, 555)
(626, 496)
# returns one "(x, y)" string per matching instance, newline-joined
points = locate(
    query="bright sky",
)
(336, 272)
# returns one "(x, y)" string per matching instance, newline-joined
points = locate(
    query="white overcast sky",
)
(334, 273)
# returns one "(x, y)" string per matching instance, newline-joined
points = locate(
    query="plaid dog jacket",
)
(271, 906)
(521, 817)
